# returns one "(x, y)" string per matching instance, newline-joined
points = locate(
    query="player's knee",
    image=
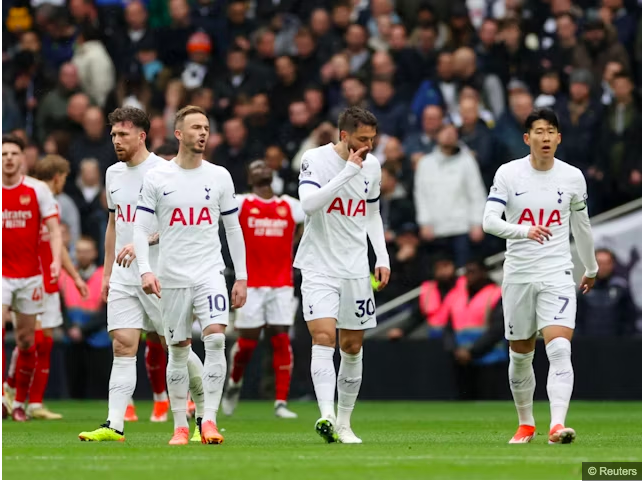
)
(24, 338)
(558, 349)
(124, 345)
(328, 339)
(351, 346)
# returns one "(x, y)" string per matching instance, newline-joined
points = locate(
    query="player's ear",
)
(559, 138)
(527, 139)
(177, 134)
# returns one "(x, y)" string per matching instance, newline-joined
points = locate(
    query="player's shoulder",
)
(116, 168)
(371, 164)
(37, 185)
(288, 199)
(515, 166)
(569, 171)
(161, 168)
(317, 153)
(155, 159)
(215, 169)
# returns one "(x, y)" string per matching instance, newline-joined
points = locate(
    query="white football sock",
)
(521, 377)
(122, 383)
(348, 385)
(178, 383)
(195, 368)
(560, 378)
(324, 378)
(160, 397)
(213, 374)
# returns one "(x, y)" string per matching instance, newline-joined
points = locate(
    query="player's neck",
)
(50, 184)
(264, 192)
(139, 157)
(189, 160)
(11, 180)
(542, 164)
(342, 149)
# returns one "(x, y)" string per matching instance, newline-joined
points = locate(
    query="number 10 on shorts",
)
(217, 302)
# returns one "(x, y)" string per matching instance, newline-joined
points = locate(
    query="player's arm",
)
(143, 228)
(313, 196)
(374, 228)
(297, 210)
(55, 240)
(68, 266)
(581, 228)
(110, 236)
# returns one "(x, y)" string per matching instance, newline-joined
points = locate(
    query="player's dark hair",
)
(137, 117)
(543, 113)
(188, 110)
(354, 117)
(49, 166)
(13, 139)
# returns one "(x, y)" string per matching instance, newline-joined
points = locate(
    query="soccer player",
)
(188, 196)
(53, 171)
(542, 197)
(339, 188)
(269, 224)
(129, 309)
(27, 203)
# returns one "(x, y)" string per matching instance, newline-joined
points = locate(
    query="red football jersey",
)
(46, 257)
(25, 206)
(268, 229)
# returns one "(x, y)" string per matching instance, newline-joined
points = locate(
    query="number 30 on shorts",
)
(218, 301)
(365, 307)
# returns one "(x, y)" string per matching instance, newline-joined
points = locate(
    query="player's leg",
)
(156, 366)
(9, 384)
(520, 330)
(26, 364)
(556, 318)
(280, 317)
(6, 317)
(249, 323)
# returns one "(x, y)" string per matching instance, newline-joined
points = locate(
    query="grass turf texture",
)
(402, 440)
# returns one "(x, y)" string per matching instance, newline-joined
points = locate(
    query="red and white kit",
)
(268, 229)
(25, 207)
(51, 317)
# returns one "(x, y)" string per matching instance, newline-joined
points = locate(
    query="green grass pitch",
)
(402, 440)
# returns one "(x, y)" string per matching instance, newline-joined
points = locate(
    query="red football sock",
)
(44, 345)
(156, 364)
(3, 363)
(241, 355)
(282, 363)
(11, 371)
(24, 372)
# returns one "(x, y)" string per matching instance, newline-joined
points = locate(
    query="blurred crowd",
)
(451, 83)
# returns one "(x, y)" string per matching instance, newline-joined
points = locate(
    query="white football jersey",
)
(188, 204)
(334, 238)
(122, 186)
(533, 197)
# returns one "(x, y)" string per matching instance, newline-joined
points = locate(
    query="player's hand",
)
(82, 288)
(104, 290)
(355, 157)
(427, 233)
(151, 285)
(539, 233)
(126, 256)
(239, 293)
(55, 271)
(587, 284)
(382, 276)
(476, 234)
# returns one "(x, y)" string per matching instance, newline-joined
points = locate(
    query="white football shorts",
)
(209, 303)
(349, 301)
(52, 317)
(25, 295)
(529, 308)
(128, 307)
(273, 306)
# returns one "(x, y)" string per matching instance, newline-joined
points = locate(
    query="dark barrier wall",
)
(605, 369)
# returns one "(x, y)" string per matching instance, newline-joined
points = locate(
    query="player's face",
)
(12, 158)
(59, 183)
(194, 132)
(362, 137)
(259, 173)
(543, 139)
(127, 139)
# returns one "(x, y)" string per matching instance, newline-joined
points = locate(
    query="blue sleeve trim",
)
(495, 199)
(230, 211)
(309, 182)
(146, 209)
(372, 201)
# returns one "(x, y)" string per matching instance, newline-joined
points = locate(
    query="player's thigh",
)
(8, 287)
(278, 308)
(124, 309)
(177, 307)
(252, 314)
(152, 319)
(519, 303)
(51, 317)
(357, 305)
(556, 306)
(29, 296)
(321, 296)
(211, 303)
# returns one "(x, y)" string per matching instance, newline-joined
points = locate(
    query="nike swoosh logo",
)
(517, 194)
(167, 193)
(212, 316)
(363, 322)
(558, 318)
(112, 191)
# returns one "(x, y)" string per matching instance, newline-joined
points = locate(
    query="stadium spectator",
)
(94, 142)
(95, 67)
(440, 91)
(53, 108)
(419, 144)
(510, 126)
(489, 85)
(396, 207)
(390, 112)
(296, 130)
(598, 45)
(87, 196)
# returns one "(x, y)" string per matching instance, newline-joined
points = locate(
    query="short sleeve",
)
(499, 189)
(110, 203)
(295, 206)
(46, 202)
(309, 173)
(374, 190)
(580, 196)
(228, 201)
(147, 198)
